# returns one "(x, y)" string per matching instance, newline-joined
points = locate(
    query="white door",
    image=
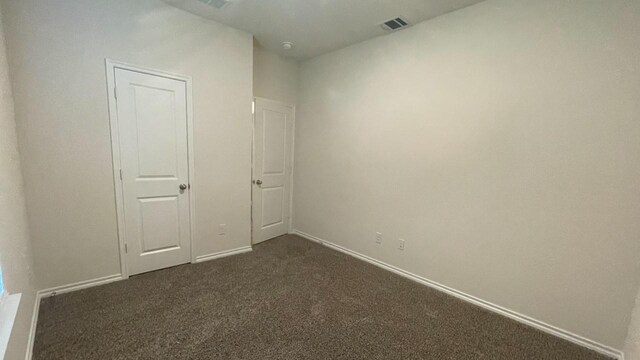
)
(153, 141)
(272, 140)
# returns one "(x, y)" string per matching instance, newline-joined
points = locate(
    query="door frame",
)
(111, 66)
(292, 154)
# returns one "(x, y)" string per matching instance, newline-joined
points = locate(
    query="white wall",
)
(274, 77)
(501, 141)
(15, 251)
(57, 51)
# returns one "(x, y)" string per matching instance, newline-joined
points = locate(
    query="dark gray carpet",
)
(288, 299)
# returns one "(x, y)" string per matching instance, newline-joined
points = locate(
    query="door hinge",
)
(115, 92)
(253, 107)
(126, 248)
(120, 174)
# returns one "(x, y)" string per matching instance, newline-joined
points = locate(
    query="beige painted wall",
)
(501, 141)
(632, 344)
(15, 249)
(57, 51)
(274, 77)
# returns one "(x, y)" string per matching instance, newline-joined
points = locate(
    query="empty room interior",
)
(327, 179)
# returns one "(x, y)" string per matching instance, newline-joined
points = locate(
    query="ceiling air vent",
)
(218, 4)
(395, 24)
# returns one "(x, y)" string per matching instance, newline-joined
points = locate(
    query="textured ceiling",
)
(317, 26)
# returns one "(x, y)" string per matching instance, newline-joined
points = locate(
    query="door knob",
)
(183, 186)
(259, 182)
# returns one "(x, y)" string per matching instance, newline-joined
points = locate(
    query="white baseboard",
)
(32, 329)
(40, 294)
(79, 285)
(222, 254)
(540, 325)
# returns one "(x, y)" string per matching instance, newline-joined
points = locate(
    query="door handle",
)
(259, 182)
(183, 186)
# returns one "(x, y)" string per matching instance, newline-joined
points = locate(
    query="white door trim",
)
(111, 66)
(293, 146)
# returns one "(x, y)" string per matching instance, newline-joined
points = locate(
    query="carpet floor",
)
(288, 299)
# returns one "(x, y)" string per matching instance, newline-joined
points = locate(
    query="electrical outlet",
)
(400, 244)
(222, 229)
(379, 238)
